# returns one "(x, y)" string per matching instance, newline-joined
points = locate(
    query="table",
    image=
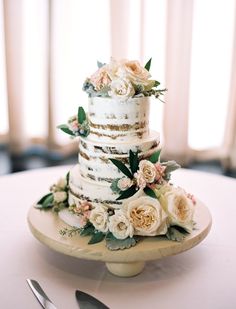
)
(203, 277)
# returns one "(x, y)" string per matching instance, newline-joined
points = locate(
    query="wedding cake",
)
(120, 189)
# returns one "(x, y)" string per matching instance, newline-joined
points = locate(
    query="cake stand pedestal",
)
(125, 269)
(45, 226)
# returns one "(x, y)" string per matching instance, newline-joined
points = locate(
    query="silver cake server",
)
(40, 294)
(87, 301)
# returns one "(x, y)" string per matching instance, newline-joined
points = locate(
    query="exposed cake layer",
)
(85, 190)
(113, 120)
(94, 157)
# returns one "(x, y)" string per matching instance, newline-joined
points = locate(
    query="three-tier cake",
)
(120, 189)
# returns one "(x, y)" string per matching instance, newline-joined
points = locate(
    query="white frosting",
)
(83, 189)
(113, 120)
(94, 156)
(115, 128)
(69, 218)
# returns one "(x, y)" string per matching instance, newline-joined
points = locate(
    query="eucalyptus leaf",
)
(176, 233)
(122, 167)
(114, 186)
(81, 115)
(148, 64)
(65, 128)
(113, 243)
(170, 167)
(127, 193)
(133, 161)
(155, 156)
(96, 237)
(100, 64)
(150, 192)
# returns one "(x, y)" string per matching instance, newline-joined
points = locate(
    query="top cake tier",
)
(111, 120)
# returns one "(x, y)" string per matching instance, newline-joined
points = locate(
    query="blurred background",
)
(48, 48)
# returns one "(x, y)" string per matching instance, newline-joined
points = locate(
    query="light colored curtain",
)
(47, 49)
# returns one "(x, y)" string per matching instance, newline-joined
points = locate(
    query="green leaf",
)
(113, 243)
(81, 115)
(87, 230)
(150, 192)
(45, 202)
(133, 161)
(114, 186)
(65, 128)
(96, 237)
(155, 156)
(100, 64)
(176, 233)
(67, 178)
(44, 198)
(127, 193)
(48, 201)
(148, 64)
(156, 84)
(123, 168)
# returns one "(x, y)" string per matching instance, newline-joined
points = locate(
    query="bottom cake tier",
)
(81, 189)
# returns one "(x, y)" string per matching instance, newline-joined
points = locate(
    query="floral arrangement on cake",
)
(120, 80)
(152, 206)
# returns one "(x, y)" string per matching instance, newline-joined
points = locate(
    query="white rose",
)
(124, 183)
(59, 196)
(179, 208)
(99, 218)
(121, 89)
(62, 183)
(148, 170)
(120, 226)
(146, 216)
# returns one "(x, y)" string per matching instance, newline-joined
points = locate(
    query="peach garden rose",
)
(179, 208)
(148, 170)
(146, 215)
(101, 78)
(134, 72)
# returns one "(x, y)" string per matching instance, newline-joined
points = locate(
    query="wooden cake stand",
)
(45, 226)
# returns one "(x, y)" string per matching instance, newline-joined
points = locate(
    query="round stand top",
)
(45, 226)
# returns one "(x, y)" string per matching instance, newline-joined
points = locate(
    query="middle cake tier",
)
(94, 157)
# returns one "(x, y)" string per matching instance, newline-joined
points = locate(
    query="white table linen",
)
(203, 277)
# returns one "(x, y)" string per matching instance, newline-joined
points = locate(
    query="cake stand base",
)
(45, 226)
(125, 269)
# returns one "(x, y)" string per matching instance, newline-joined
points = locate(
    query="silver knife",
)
(87, 301)
(40, 294)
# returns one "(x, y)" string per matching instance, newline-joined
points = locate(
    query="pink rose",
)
(100, 78)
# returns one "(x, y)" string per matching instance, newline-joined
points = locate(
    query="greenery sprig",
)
(77, 125)
(57, 199)
(132, 170)
(112, 243)
(141, 89)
